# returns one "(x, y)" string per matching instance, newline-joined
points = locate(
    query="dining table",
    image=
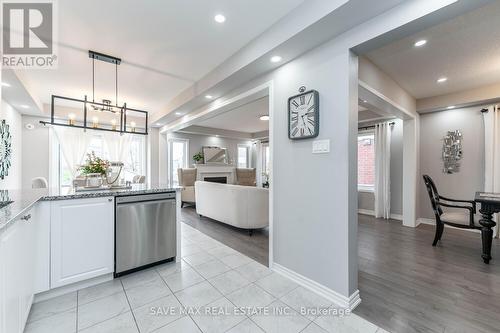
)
(490, 204)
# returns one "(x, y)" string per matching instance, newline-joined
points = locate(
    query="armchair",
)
(246, 176)
(462, 214)
(187, 177)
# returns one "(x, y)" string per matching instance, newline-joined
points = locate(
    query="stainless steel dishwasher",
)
(145, 231)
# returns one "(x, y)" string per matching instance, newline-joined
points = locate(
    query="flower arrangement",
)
(198, 157)
(94, 164)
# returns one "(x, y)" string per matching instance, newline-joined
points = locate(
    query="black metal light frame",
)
(123, 109)
(123, 116)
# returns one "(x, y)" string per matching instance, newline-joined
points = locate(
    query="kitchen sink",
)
(5, 203)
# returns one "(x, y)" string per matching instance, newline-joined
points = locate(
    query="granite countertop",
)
(24, 199)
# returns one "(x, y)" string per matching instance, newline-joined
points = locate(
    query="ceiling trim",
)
(217, 108)
(308, 26)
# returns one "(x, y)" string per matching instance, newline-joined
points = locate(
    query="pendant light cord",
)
(93, 80)
(116, 83)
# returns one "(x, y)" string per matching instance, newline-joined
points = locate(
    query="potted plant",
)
(265, 180)
(94, 169)
(198, 158)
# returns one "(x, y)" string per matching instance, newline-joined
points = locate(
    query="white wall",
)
(461, 185)
(36, 150)
(13, 119)
(366, 200)
(153, 162)
(196, 143)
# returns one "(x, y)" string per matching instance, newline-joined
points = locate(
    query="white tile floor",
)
(211, 277)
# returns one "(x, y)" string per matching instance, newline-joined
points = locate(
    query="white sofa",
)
(245, 207)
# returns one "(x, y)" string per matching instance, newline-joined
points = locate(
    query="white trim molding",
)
(350, 302)
(370, 212)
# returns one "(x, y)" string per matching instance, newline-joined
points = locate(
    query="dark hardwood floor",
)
(406, 285)
(255, 246)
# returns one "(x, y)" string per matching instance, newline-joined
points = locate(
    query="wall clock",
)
(303, 115)
(5, 149)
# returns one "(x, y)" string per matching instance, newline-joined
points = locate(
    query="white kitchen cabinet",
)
(17, 262)
(42, 246)
(82, 239)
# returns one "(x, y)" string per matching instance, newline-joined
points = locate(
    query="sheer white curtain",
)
(383, 170)
(492, 153)
(116, 145)
(258, 162)
(74, 144)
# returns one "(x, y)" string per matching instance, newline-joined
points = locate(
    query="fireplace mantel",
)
(216, 170)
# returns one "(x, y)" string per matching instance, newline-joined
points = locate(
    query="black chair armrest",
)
(472, 202)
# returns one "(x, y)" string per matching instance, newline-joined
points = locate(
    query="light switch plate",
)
(321, 146)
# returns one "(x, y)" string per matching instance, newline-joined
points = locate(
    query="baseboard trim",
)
(342, 301)
(423, 220)
(369, 212)
(366, 212)
(43, 296)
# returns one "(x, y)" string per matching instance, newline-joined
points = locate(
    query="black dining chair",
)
(461, 216)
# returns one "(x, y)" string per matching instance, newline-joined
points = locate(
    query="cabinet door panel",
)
(82, 240)
(11, 289)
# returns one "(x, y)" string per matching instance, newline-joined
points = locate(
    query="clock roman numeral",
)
(295, 131)
(302, 100)
(295, 103)
(310, 98)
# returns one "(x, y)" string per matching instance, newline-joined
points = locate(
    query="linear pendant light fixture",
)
(104, 116)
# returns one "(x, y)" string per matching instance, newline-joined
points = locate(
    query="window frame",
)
(367, 188)
(61, 163)
(248, 156)
(170, 161)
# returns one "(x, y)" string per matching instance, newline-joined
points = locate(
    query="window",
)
(366, 161)
(265, 158)
(177, 157)
(243, 156)
(134, 158)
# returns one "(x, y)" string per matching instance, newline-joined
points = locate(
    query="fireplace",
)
(220, 180)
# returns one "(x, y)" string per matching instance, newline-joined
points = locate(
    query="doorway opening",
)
(428, 94)
(226, 153)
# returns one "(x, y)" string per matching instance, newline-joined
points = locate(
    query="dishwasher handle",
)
(145, 198)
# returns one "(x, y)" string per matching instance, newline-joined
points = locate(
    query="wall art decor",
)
(452, 151)
(5, 149)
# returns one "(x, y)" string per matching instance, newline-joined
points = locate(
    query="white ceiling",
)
(165, 45)
(465, 49)
(242, 119)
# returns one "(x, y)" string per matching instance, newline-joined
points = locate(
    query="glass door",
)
(177, 157)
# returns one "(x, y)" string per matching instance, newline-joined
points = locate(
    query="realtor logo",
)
(28, 34)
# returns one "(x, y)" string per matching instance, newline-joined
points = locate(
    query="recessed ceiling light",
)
(178, 113)
(264, 117)
(24, 106)
(421, 42)
(451, 107)
(209, 96)
(276, 59)
(365, 101)
(442, 79)
(5, 84)
(219, 18)
(158, 124)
